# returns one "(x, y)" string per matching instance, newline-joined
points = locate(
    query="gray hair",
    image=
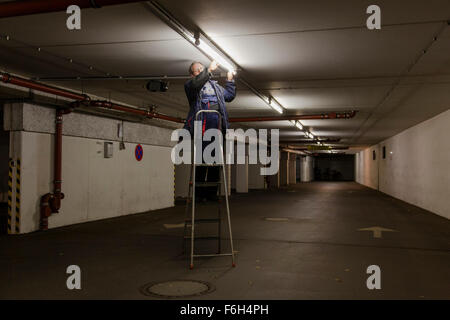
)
(192, 64)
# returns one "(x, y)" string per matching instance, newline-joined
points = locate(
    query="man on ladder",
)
(206, 94)
(207, 103)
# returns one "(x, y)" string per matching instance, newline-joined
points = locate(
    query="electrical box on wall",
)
(108, 150)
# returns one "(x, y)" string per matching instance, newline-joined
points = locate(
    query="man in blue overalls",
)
(204, 93)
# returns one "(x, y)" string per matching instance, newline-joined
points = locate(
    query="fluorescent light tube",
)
(297, 124)
(216, 56)
(275, 106)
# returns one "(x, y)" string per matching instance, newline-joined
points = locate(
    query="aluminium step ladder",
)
(190, 202)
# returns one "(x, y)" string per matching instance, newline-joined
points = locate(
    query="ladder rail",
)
(192, 185)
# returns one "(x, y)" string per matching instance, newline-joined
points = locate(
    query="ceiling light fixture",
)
(297, 124)
(275, 105)
(207, 46)
(215, 55)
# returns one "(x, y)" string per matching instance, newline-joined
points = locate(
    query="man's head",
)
(195, 68)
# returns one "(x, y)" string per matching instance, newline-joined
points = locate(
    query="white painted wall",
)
(418, 169)
(95, 187)
(182, 175)
(366, 169)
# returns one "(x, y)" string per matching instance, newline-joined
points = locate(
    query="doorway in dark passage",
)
(334, 167)
(4, 165)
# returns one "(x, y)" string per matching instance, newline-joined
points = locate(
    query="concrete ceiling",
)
(312, 56)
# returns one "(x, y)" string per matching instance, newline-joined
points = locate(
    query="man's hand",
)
(213, 66)
(230, 76)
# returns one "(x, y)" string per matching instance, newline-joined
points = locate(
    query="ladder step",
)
(204, 238)
(213, 255)
(212, 220)
(207, 184)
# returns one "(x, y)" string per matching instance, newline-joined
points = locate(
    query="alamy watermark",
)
(374, 20)
(190, 150)
(73, 22)
(374, 281)
(74, 280)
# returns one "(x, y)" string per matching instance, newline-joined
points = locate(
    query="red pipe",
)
(51, 202)
(82, 99)
(46, 211)
(149, 114)
(58, 160)
(24, 7)
(21, 82)
(322, 116)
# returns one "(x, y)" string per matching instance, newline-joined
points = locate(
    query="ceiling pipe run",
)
(82, 99)
(322, 116)
(21, 82)
(26, 7)
(97, 78)
(146, 113)
(317, 148)
(85, 100)
(298, 141)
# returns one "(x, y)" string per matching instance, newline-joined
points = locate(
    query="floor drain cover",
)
(177, 289)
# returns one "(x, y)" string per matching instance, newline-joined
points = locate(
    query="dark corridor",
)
(334, 167)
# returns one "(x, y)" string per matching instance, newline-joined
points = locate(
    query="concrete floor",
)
(316, 254)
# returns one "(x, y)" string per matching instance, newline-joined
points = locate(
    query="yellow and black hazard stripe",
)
(17, 227)
(10, 193)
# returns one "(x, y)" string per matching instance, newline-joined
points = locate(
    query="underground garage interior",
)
(225, 150)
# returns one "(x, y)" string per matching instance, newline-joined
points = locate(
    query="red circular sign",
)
(138, 152)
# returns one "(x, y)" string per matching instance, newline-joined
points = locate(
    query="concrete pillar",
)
(307, 169)
(292, 168)
(4, 164)
(242, 177)
(255, 179)
(274, 180)
(233, 176)
(284, 168)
